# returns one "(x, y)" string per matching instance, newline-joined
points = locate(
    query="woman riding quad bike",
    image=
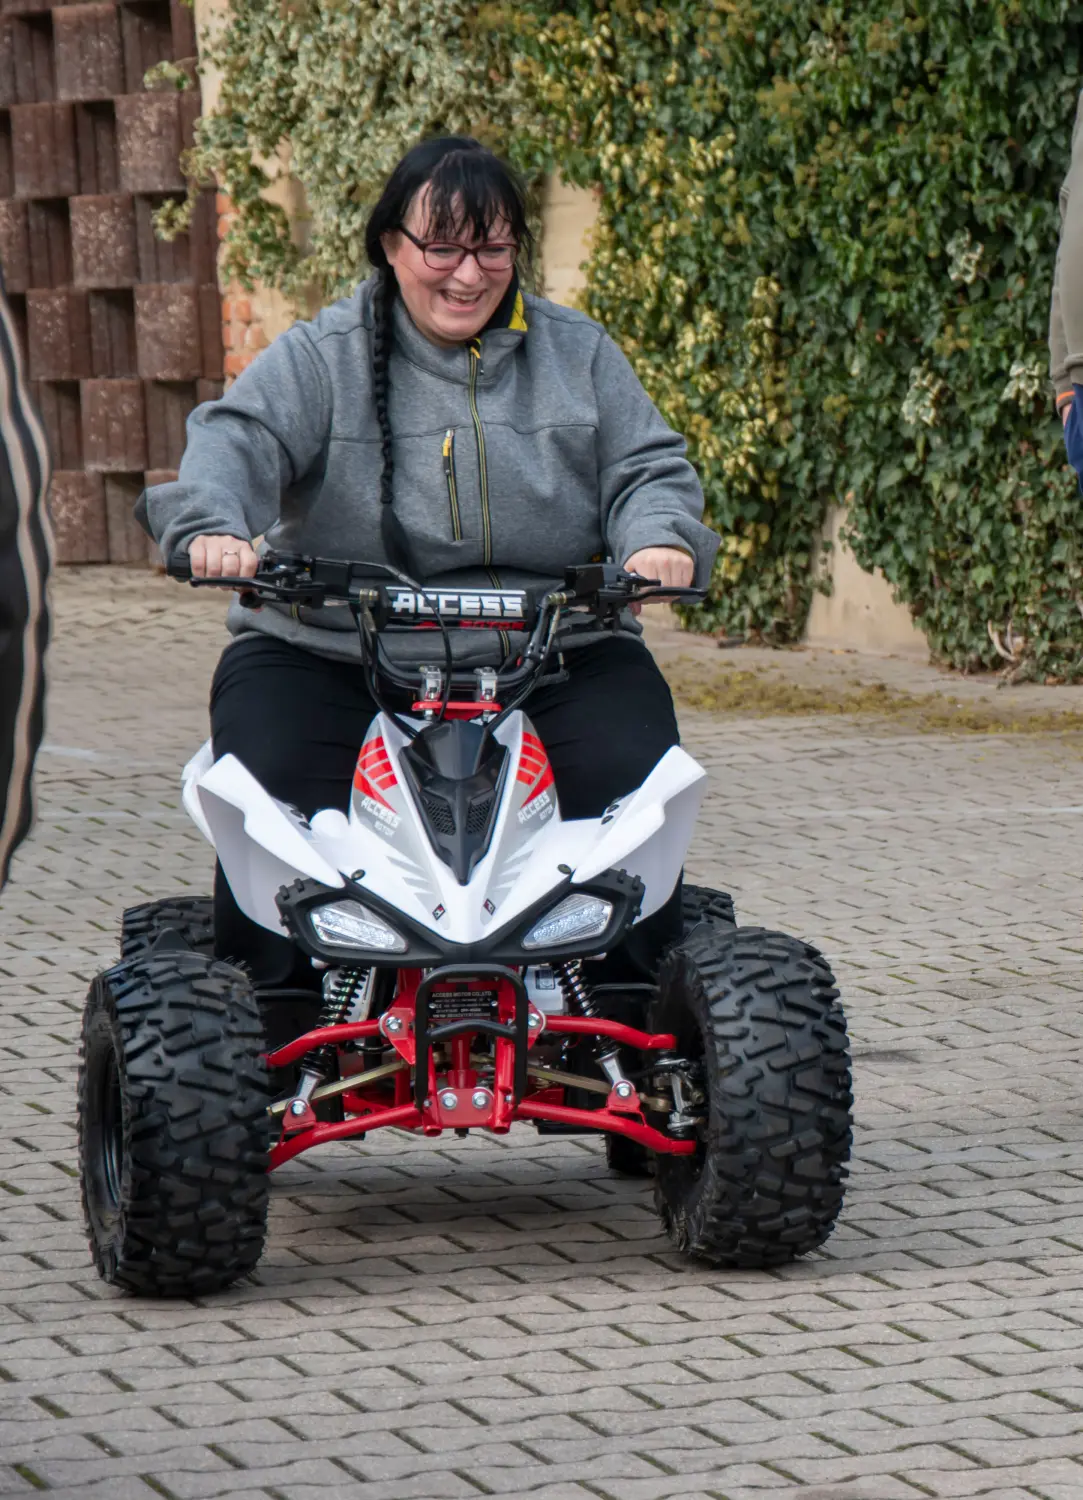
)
(471, 442)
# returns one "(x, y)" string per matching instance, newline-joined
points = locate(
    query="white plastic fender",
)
(198, 766)
(262, 844)
(651, 830)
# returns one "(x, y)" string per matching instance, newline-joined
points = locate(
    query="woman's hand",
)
(672, 567)
(222, 557)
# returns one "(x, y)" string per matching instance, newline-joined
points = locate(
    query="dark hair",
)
(471, 189)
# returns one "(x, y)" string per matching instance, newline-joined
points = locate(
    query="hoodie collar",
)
(499, 339)
(512, 312)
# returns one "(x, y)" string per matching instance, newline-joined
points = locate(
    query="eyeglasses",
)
(439, 256)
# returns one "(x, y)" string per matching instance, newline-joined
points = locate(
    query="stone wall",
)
(121, 332)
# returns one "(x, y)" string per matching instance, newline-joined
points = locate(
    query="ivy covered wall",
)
(826, 240)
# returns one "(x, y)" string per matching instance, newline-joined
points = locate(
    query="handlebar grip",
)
(179, 566)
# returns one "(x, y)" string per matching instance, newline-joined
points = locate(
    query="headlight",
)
(574, 919)
(348, 924)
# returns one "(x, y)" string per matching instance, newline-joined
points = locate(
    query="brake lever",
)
(311, 594)
(665, 591)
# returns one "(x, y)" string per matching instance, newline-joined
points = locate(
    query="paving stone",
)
(482, 1316)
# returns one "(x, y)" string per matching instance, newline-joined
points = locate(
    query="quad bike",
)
(452, 920)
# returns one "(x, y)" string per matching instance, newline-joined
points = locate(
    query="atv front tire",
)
(173, 1127)
(757, 1014)
(190, 917)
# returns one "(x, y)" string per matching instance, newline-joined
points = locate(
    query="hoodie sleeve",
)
(650, 495)
(1058, 344)
(1066, 312)
(266, 433)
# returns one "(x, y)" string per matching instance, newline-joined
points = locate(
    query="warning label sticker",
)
(462, 1004)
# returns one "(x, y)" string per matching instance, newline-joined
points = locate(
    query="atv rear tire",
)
(757, 1012)
(190, 917)
(700, 904)
(627, 1157)
(173, 1128)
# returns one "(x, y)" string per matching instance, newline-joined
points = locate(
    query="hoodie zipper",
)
(452, 488)
(486, 523)
(505, 638)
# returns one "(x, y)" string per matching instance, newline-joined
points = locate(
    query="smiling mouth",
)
(457, 299)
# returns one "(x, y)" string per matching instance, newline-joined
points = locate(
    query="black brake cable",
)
(371, 681)
(372, 666)
(531, 681)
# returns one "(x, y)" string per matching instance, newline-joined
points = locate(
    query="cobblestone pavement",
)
(475, 1317)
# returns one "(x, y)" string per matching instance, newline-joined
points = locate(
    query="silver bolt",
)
(624, 1090)
(533, 1020)
(298, 1107)
(394, 1023)
(449, 1100)
(480, 1099)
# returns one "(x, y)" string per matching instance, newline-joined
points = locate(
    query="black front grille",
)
(439, 814)
(477, 819)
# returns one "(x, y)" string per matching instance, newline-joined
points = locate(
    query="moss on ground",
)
(761, 693)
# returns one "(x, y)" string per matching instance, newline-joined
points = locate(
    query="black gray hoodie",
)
(536, 449)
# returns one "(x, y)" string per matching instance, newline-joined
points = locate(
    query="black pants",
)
(297, 721)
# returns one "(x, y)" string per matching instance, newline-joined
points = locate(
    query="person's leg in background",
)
(1071, 412)
(605, 730)
(297, 722)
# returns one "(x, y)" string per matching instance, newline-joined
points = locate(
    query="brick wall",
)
(243, 335)
(122, 332)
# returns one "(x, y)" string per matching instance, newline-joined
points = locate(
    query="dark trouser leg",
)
(296, 721)
(605, 730)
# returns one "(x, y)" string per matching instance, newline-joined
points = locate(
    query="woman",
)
(440, 420)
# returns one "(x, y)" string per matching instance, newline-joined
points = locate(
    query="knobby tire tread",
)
(194, 1193)
(699, 903)
(190, 916)
(770, 1178)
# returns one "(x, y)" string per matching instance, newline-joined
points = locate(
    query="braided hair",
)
(392, 531)
(470, 189)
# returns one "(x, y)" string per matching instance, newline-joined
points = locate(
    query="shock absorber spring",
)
(574, 987)
(342, 988)
(580, 1001)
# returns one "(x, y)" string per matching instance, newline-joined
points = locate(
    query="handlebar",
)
(600, 589)
(314, 581)
(319, 583)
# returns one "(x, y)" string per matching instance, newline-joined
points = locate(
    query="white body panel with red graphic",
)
(383, 845)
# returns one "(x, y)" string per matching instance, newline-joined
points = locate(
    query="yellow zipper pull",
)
(452, 490)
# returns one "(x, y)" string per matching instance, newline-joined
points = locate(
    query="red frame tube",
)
(406, 1116)
(628, 1036)
(293, 1051)
(537, 1105)
(602, 1119)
